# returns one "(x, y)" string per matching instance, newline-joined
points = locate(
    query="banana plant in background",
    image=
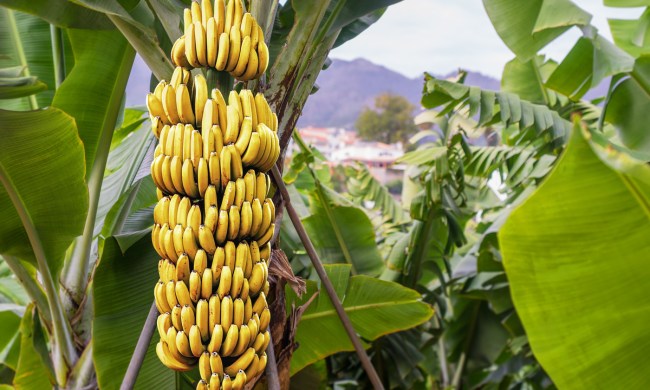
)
(565, 251)
(76, 195)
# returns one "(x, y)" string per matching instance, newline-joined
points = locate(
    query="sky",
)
(440, 36)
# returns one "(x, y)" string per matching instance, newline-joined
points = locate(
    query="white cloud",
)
(440, 36)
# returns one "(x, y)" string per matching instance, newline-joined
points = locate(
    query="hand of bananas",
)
(223, 37)
(213, 222)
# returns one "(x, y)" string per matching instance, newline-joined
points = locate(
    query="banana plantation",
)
(196, 241)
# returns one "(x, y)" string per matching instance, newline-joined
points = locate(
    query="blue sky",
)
(440, 36)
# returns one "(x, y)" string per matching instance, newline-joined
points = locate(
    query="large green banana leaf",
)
(31, 372)
(93, 91)
(527, 26)
(62, 13)
(375, 307)
(42, 172)
(576, 255)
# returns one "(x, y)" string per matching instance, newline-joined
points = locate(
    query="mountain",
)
(346, 87)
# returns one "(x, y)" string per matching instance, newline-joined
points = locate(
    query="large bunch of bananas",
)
(223, 37)
(213, 221)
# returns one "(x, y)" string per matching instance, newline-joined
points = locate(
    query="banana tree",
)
(76, 193)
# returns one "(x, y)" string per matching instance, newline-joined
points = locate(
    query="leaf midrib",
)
(332, 312)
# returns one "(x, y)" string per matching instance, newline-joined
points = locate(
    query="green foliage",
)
(375, 308)
(558, 248)
(389, 121)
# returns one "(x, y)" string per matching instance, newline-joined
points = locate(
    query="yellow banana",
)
(216, 365)
(237, 284)
(223, 52)
(244, 55)
(155, 108)
(183, 210)
(163, 322)
(230, 341)
(214, 311)
(241, 255)
(204, 367)
(168, 242)
(168, 144)
(218, 262)
(200, 261)
(174, 203)
(236, 165)
(161, 211)
(222, 227)
(240, 192)
(220, 15)
(265, 252)
(160, 298)
(194, 220)
(189, 184)
(155, 234)
(196, 147)
(248, 319)
(201, 47)
(258, 212)
(195, 341)
(211, 215)
(260, 304)
(162, 350)
(176, 168)
(200, 87)
(249, 184)
(256, 281)
(265, 319)
(240, 381)
(203, 179)
(186, 144)
(234, 48)
(215, 383)
(206, 239)
(214, 167)
(167, 173)
(169, 103)
(231, 254)
(251, 69)
(246, 220)
(232, 125)
(251, 370)
(230, 13)
(210, 197)
(164, 134)
(202, 385)
(233, 222)
(202, 315)
(170, 294)
(216, 339)
(187, 318)
(176, 317)
(183, 294)
(195, 286)
(238, 13)
(177, 237)
(190, 47)
(267, 236)
(225, 161)
(226, 383)
(226, 313)
(196, 12)
(184, 104)
(255, 253)
(244, 136)
(206, 283)
(242, 362)
(183, 268)
(225, 281)
(206, 12)
(262, 364)
(258, 343)
(267, 218)
(246, 25)
(228, 198)
(178, 53)
(263, 58)
(189, 243)
(253, 150)
(209, 117)
(238, 312)
(217, 96)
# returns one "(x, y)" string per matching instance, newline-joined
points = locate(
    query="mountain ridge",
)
(362, 80)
